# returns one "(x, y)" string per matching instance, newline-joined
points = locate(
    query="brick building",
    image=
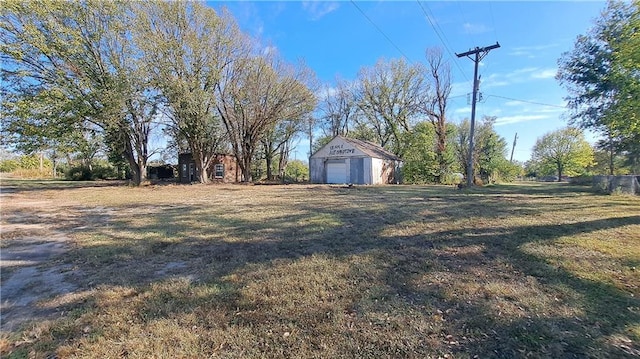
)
(224, 169)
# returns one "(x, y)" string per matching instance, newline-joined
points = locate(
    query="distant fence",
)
(617, 184)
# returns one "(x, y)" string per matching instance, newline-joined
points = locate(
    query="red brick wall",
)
(230, 169)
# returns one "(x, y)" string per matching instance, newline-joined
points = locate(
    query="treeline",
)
(602, 77)
(114, 73)
(101, 79)
(403, 108)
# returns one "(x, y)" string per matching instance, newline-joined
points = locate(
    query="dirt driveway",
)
(32, 251)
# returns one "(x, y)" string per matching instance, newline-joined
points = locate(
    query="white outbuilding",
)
(347, 160)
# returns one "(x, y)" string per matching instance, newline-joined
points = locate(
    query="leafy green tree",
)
(33, 161)
(602, 163)
(565, 149)
(602, 75)
(361, 131)
(421, 159)
(390, 96)
(186, 48)
(73, 63)
(319, 142)
(626, 73)
(491, 152)
(276, 143)
(9, 165)
(490, 163)
(297, 171)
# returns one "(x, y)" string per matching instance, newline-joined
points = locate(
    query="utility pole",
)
(515, 138)
(479, 53)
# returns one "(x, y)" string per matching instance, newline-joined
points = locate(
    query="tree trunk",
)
(136, 177)
(142, 169)
(268, 157)
(246, 169)
(611, 155)
(559, 173)
(201, 168)
(284, 159)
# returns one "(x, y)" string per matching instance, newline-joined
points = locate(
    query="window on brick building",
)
(218, 170)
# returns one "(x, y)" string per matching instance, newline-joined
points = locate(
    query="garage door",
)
(336, 172)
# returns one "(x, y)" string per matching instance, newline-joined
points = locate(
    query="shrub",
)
(452, 178)
(582, 180)
(104, 172)
(78, 173)
(31, 173)
(32, 161)
(8, 165)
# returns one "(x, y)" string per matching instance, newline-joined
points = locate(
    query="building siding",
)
(360, 158)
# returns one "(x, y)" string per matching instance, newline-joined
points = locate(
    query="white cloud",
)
(495, 80)
(472, 29)
(507, 120)
(517, 76)
(535, 47)
(318, 9)
(463, 110)
(545, 74)
(530, 51)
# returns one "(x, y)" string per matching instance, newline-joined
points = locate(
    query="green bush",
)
(452, 178)
(29, 162)
(296, 171)
(78, 173)
(104, 172)
(9, 165)
(582, 180)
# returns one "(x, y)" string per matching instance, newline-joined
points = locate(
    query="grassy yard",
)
(515, 271)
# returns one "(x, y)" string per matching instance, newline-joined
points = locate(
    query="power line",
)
(495, 33)
(440, 37)
(525, 101)
(380, 30)
(493, 21)
(466, 21)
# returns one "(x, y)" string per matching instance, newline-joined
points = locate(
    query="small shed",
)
(224, 168)
(347, 160)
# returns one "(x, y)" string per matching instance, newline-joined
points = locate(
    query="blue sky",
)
(337, 39)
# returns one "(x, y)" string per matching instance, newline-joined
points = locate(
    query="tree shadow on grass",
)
(605, 311)
(197, 238)
(25, 186)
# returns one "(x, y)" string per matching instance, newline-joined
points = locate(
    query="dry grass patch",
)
(528, 270)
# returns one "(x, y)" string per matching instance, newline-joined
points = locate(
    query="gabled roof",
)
(372, 149)
(369, 148)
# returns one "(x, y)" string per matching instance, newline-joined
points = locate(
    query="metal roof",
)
(369, 148)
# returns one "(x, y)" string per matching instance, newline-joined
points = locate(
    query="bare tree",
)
(258, 93)
(339, 108)
(436, 106)
(276, 143)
